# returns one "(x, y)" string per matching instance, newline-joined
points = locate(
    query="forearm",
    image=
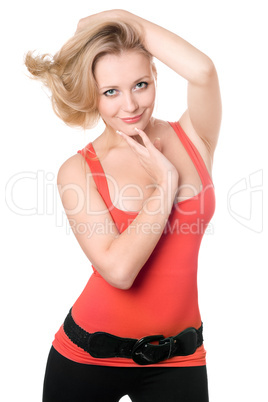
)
(171, 49)
(130, 250)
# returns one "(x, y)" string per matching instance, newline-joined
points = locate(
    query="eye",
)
(110, 92)
(141, 85)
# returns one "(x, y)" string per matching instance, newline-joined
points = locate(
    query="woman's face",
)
(126, 86)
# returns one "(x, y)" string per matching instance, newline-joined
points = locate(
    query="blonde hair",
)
(69, 74)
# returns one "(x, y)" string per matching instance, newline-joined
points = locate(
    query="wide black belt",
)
(105, 345)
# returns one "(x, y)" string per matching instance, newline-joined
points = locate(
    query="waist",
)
(72, 352)
(139, 311)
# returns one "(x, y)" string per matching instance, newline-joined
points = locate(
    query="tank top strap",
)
(193, 153)
(97, 172)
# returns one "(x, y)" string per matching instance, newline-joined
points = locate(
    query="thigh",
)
(68, 381)
(172, 384)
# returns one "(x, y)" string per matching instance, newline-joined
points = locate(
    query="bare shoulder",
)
(74, 161)
(75, 171)
(75, 183)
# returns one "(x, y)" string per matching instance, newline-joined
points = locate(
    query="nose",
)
(130, 103)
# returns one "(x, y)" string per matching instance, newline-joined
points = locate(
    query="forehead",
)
(126, 67)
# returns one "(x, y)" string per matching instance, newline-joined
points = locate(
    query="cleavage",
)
(129, 184)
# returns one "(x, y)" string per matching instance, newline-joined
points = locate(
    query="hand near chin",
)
(151, 157)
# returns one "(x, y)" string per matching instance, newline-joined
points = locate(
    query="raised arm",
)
(203, 114)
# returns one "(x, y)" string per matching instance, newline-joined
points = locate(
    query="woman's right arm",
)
(117, 257)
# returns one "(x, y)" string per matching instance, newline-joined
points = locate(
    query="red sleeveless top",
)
(164, 296)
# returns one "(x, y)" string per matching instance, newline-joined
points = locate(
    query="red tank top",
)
(164, 296)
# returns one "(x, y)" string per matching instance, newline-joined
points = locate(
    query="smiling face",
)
(126, 85)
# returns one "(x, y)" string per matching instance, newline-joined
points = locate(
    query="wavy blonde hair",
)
(69, 74)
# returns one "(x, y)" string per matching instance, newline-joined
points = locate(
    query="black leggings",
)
(68, 381)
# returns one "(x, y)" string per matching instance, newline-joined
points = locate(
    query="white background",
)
(43, 269)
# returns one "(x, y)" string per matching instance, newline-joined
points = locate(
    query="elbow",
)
(116, 281)
(207, 72)
(120, 278)
(117, 272)
(121, 282)
(120, 272)
(124, 285)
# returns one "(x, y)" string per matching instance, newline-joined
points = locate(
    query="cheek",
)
(107, 107)
(149, 97)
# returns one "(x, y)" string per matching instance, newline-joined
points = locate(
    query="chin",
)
(131, 129)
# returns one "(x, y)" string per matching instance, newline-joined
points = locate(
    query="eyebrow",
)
(116, 86)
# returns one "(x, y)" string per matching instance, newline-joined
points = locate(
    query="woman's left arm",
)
(204, 109)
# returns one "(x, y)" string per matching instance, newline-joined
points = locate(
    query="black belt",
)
(104, 345)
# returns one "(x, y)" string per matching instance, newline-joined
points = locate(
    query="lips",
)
(131, 120)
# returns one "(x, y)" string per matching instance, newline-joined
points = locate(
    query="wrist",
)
(169, 185)
(128, 17)
(170, 181)
(103, 16)
(116, 14)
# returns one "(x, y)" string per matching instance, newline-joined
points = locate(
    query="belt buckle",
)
(139, 349)
(186, 341)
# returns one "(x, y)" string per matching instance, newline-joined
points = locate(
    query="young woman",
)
(138, 199)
